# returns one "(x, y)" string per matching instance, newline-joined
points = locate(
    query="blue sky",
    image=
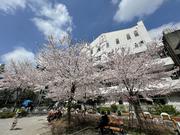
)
(26, 24)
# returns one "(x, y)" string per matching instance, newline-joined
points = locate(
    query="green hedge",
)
(122, 108)
(104, 109)
(119, 113)
(158, 109)
(7, 114)
(114, 108)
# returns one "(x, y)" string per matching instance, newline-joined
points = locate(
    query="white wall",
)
(111, 37)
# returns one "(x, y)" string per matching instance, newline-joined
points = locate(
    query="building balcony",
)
(168, 62)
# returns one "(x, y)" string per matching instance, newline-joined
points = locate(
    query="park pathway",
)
(36, 125)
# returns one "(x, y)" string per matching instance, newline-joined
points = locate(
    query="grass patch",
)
(4, 115)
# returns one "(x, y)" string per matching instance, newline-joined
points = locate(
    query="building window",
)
(128, 36)
(136, 45)
(141, 42)
(136, 34)
(98, 58)
(91, 51)
(138, 55)
(107, 45)
(174, 76)
(163, 53)
(99, 49)
(117, 41)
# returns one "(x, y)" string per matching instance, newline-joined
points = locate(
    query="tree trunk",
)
(137, 110)
(15, 103)
(73, 88)
(69, 112)
(84, 105)
(7, 99)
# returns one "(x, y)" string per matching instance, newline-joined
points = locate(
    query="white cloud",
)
(50, 19)
(129, 9)
(53, 20)
(157, 32)
(19, 54)
(9, 6)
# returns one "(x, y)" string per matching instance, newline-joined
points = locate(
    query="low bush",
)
(150, 128)
(59, 127)
(157, 129)
(78, 122)
(114, 108)
(119, 113)
(76, 106)
(47, 102)
(23, 112)
(158, 109)
(108, 112)
(122, 108)
(4, 115)
(104, 109)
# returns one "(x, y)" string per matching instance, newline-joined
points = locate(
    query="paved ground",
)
(36, 125)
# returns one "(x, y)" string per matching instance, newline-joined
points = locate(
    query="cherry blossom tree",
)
(18, 76)
(135, 73)
(68, 70)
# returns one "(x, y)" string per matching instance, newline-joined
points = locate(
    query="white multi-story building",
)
(135, 38)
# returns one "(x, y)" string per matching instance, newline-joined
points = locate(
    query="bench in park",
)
(115, 125)
(172, 122)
